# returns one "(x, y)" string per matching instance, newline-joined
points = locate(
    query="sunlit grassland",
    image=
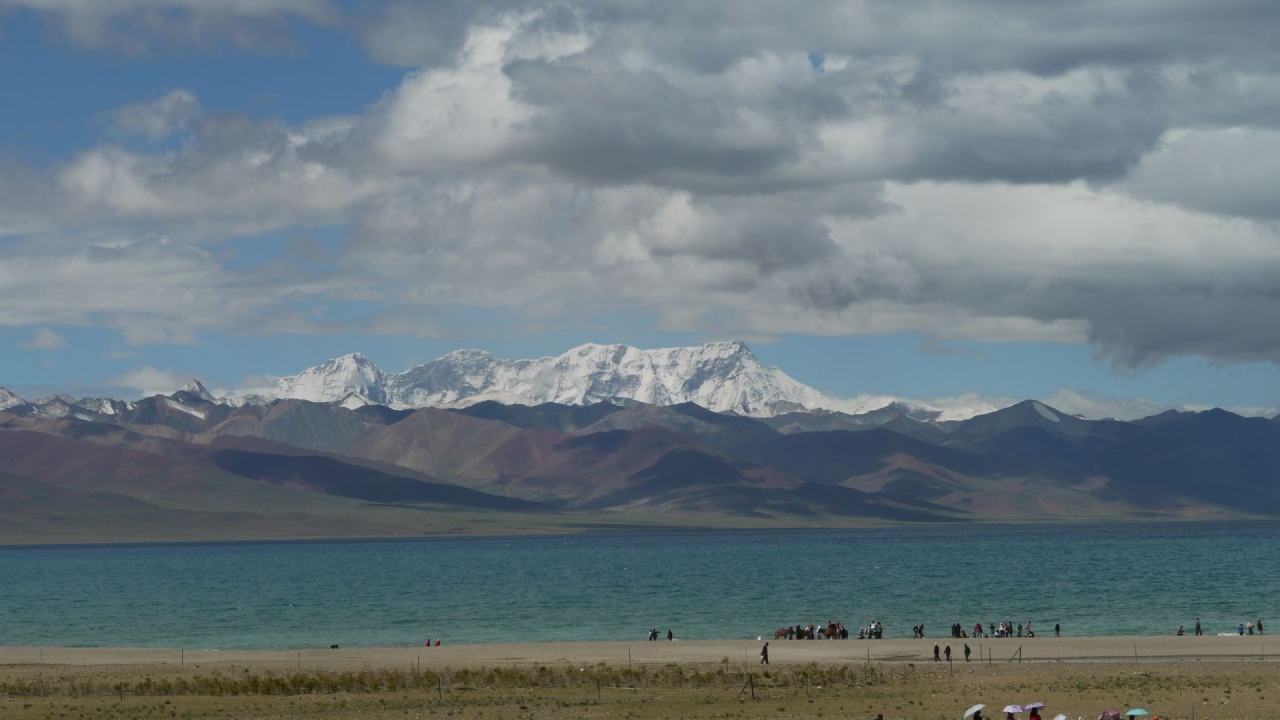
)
(1236, 689)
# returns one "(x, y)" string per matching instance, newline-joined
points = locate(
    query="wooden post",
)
(182, 657)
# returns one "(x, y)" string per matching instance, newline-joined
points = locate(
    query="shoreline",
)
(889, 651)
(591, 524)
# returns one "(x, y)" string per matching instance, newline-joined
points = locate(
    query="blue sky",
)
(966, 203)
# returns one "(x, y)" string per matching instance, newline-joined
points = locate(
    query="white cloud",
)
(149, 381)
(45, 339)
(157, 119)
(1098, 407)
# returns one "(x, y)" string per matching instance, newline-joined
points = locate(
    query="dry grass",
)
(1240, 690)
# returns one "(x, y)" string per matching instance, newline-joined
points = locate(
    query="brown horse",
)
(781, 633)
(833, 632)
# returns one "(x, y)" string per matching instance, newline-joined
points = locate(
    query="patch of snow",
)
(1046, 412)
(354, 401)
(197, 412)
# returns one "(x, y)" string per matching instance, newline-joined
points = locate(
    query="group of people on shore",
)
(1245, 627)
(1006, 629)
(831, 631)
(875, 630)
(653, 634)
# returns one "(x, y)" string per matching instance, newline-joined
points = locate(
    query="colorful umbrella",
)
(1137, 711)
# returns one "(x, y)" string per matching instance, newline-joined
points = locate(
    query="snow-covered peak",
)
(722, 376)
(334, 380)
(8, 399)
(103, 406)
(467, 355)
(194, 387)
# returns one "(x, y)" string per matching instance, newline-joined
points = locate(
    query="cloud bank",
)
(974, 170)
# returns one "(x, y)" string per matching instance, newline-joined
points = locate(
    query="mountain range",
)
(601, 437)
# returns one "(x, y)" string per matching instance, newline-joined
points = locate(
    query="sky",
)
(965, 203)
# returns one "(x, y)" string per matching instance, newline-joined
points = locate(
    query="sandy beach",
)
(661, 652)
(1223, 678)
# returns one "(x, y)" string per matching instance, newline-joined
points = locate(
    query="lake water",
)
(1125, 579)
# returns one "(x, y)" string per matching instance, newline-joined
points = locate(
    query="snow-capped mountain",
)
(722, 376)
(8, 399)
(194, 387)
(335, 380)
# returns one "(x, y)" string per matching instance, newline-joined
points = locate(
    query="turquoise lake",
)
(1123, 579)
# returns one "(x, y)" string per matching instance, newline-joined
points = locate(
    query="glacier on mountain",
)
(722, 376)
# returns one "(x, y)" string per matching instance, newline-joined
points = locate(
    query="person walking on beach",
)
(1198, 631)
(935, 653)
(1259, 626)
(947, 652)
(764, 654)
(1249, 626)
(966, 652)
(1057, 629)
(670, 636)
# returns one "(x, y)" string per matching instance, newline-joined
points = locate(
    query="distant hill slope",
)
(1215, 456)
(176, 466)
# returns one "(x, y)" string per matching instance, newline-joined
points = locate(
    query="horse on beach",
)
(834, 631)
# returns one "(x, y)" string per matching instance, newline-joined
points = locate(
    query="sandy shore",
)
(641, 652)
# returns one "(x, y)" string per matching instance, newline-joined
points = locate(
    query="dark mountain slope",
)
(835, 456)
(329, 476)
(1215, 456)
(547, 416)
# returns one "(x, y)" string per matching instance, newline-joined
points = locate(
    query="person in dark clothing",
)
(1057, 630)
(935, 653)
(764, 654)
(670, 636)
(966, 652)
(947, 652)
(1198, 630)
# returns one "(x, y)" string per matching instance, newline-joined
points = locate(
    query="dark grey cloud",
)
(141, 27)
